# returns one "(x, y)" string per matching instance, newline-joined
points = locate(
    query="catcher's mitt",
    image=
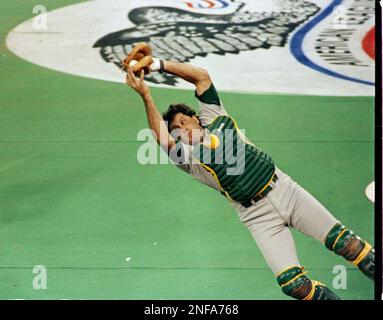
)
(142, 54)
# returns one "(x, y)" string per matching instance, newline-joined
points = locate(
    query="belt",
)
(261, 195)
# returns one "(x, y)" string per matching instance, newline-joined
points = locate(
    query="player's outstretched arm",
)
(155, 120)
(198, 76)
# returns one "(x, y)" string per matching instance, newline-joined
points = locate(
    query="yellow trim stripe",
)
(240, 133)
(267, 184)
(324, 241)
(337, 238)
(312, 291)
(362, 254)
(215, 177)
(293, 279)
(244, 138)
(294, 266)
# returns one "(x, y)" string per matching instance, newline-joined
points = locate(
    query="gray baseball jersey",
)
(269, 219)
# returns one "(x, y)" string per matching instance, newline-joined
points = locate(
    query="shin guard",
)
(345, 243)
(295, 283)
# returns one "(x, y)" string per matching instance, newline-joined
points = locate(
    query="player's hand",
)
(138, 84)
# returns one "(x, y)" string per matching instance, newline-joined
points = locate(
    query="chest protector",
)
(241, 170)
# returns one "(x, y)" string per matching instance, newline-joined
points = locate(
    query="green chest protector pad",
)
(241, 170)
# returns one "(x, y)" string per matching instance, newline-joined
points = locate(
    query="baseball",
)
(132, 63)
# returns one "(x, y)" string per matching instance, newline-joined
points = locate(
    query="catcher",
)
(267, 200)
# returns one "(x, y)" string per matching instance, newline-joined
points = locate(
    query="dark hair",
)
(173, 109)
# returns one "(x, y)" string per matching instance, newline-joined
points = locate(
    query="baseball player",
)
(267, 200)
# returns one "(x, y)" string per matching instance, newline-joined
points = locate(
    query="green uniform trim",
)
(209, 96)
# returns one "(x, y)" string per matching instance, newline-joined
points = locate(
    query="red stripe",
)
(211, 4)
(368, 43)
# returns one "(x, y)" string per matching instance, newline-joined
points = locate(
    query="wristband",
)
(157, 65)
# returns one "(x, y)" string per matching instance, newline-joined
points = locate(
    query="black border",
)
(129, 307)
(378, 152)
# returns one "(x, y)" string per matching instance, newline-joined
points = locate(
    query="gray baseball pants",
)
(286, 206)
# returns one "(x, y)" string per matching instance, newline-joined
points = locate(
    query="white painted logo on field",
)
(335, 42)
(246, 45)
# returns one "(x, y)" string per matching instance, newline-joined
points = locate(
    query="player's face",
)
(187, 128)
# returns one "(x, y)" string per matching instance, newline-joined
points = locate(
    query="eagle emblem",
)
(181, 35)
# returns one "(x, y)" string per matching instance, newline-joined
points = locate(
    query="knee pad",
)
(295, 283)
(345, 243)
